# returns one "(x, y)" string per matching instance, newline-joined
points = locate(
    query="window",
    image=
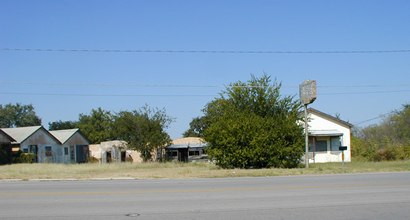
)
(49, 152)
(321, 145)
(25, 150)
(194, 153)
(32, 149)
(72, 156)
(173, 154)
(65, 150)
(335, 143)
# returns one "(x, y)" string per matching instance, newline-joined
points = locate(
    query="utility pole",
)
(306, 137)
(307, 93)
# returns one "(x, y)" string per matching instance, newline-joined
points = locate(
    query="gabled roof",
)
(329, 117)
(7, 136)
(64, 135)
(22, 133)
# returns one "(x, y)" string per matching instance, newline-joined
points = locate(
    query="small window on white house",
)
(335, 143)
(65, 150)
(321, 145)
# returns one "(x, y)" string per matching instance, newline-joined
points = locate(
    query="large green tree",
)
(144, 130)
(97, 126)
(252, 126)
(18, 115)
(196, 127)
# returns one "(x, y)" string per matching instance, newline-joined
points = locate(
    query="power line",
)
(178, 95)
(206, 51)
(367, 92)
(372, 119)
(105, 95)
(188, 85)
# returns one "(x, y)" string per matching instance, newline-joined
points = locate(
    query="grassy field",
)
(182, 170)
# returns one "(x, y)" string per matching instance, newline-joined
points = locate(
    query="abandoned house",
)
(190, 149)
(36, 140)
(326, 134)
(74, 146)
(64, 146)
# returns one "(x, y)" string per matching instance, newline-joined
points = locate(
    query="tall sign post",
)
(307, 93)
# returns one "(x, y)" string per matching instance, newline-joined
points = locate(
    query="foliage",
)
(97, 126)
(62, 125)
(143, 129)
(196, 127)
(21, 157)
(252, 126)
(389, 140)
(18, 115)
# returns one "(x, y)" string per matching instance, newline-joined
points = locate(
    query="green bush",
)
(21, 157)
(253, 126)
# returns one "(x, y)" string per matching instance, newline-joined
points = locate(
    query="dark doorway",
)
(5, 154)
(82, 152)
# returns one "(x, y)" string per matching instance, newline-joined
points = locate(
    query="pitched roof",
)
(22, 133)
(64, 135)
(7, 136)
(337, 120)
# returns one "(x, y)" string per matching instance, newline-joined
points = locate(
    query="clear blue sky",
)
(61, 85)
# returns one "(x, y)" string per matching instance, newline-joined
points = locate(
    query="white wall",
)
(318, 123)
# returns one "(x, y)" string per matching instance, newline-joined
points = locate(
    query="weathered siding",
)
(43, 140)
(71, 145)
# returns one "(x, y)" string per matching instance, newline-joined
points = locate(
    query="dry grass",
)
(181, 170)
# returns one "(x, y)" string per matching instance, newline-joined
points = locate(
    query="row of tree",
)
(389, 140)
(249, 126)
(143, 129)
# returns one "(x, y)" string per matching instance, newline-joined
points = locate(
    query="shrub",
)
(21, 157)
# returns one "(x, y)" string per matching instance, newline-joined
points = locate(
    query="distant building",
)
(60, 146)
(36, 140)
(74, 145)
(187, 150)
(326, 135)
(115, 151)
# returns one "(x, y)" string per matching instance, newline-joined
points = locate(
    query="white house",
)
(74, 146)
(326, 135)
(36, 140)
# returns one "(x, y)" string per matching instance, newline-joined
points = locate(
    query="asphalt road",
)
(358, 196)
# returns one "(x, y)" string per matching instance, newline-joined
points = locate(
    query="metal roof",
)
(5, 135)
(63, 135)
(188, 145)
(335, 119)
(22, 133)
(325, 133)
